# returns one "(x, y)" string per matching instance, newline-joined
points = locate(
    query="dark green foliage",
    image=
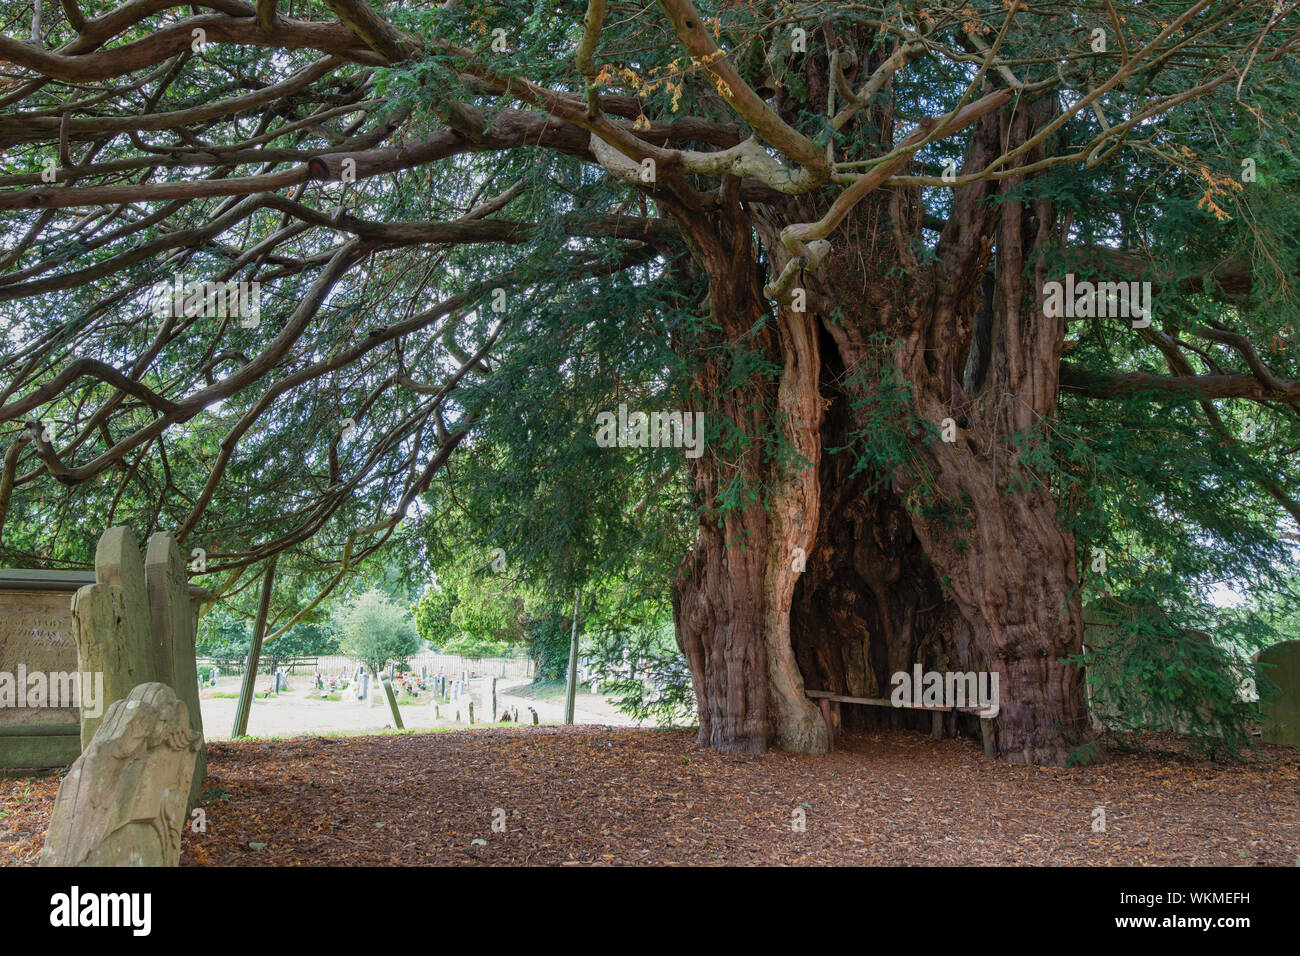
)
(629, 638)
(1159, 532)
(223, 638)
(227, 639)
(548, 638)
(659, 689)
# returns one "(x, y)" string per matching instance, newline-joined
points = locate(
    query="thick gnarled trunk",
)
(836, 576)
(1010, 572)
(733, 593)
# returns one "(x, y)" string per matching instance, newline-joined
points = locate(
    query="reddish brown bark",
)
(733, 593)
(951, 558)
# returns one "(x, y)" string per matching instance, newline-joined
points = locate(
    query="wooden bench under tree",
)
(830, 708)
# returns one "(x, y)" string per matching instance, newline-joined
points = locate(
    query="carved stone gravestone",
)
(173, 612)
(136, 625)
(1280, 712)
(102, 632)
(124, 801)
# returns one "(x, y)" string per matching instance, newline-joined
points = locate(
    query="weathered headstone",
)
(112, 622)
(174, 619)
(123, 803)
(128, 622)
(36, 636)
(1280, 712)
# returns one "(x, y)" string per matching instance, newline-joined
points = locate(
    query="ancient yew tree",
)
(830, 227)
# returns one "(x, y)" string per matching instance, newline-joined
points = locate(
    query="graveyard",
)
(302, 709)
(665, 433)
(496, 790)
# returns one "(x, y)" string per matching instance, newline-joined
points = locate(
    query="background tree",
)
(376, 630)
(223, 638)
(432, 613)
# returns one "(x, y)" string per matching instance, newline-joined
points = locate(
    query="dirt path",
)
(594, 795)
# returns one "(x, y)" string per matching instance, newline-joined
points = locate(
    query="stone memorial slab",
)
(37, 638)
(123, 802)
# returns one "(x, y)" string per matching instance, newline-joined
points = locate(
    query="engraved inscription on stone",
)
(36, 635)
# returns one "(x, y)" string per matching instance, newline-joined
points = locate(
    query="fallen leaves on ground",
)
(597, 795)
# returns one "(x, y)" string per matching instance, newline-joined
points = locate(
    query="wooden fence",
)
(339, 666)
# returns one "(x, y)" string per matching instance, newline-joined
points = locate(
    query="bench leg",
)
(830, 724)
(936, 724)
(990, 740)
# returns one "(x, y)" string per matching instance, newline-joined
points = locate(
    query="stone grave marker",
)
(173, 614)
(123, 802)
(36, 636)
(392, 704)
(130, 621)
(1280, 713)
